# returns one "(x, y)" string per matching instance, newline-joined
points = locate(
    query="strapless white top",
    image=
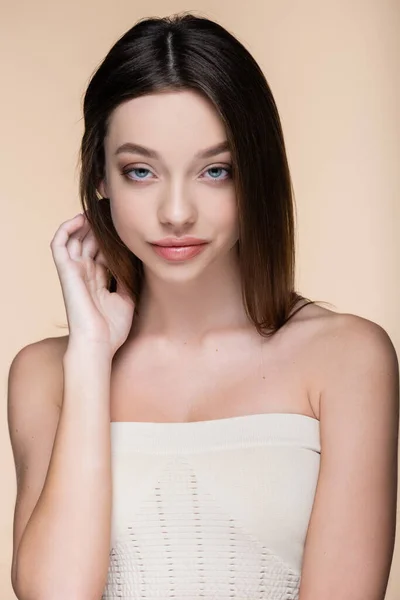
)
(211, 509)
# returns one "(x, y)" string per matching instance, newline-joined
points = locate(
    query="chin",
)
(183, 271)
(178, 272)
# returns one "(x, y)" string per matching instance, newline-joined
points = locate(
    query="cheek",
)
(224, 216)
(131, 223)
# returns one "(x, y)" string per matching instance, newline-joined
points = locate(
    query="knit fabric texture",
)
(211, 509)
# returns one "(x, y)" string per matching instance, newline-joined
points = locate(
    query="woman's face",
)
(161, 187)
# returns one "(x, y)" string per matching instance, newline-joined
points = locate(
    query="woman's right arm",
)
(62, 522)
(62, 456)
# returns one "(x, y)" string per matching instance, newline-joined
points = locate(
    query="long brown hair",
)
(184, 51)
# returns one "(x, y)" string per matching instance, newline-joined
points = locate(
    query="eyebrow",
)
(137, 149)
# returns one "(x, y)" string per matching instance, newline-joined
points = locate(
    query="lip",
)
(179, 253)
(184, 241)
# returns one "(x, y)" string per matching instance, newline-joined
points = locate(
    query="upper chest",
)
(231, 375)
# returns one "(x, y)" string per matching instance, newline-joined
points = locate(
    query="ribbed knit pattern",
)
(211, 509)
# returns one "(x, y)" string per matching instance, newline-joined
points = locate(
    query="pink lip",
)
(184, 241)
(179, 253)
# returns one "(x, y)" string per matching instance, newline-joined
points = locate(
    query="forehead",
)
(161, 120)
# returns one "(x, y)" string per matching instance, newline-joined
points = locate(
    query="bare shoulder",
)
(51, 347)
(35, 387)
(39, 361)
(342, 348)
(348, 335)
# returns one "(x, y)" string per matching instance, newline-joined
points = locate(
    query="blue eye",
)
(141, 170)
(217, 170)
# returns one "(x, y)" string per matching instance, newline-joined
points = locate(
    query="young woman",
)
(204, 431)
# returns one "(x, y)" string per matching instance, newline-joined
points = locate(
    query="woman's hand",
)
(94, 314)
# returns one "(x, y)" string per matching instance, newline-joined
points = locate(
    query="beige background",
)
(334, 69)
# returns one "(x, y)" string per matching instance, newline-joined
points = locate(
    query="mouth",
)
(176, 253)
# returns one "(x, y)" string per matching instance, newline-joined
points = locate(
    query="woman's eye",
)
(140, 173)
(216, 172)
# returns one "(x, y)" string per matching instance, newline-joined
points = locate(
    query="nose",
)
(176, 207)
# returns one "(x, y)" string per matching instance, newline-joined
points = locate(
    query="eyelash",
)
(228, 169)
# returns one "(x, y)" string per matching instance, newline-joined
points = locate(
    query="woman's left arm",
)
(351, 534)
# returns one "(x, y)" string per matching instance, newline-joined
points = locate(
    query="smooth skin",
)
(210, 363)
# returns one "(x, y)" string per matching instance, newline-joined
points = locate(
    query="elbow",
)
(30, 590)
(31, 582)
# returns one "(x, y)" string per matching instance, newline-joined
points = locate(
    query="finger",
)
(101, 277)
(103, 273)
(58, 244)
(76, 240)
(90, 245)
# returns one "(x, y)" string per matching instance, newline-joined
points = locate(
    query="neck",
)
(188, 311)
